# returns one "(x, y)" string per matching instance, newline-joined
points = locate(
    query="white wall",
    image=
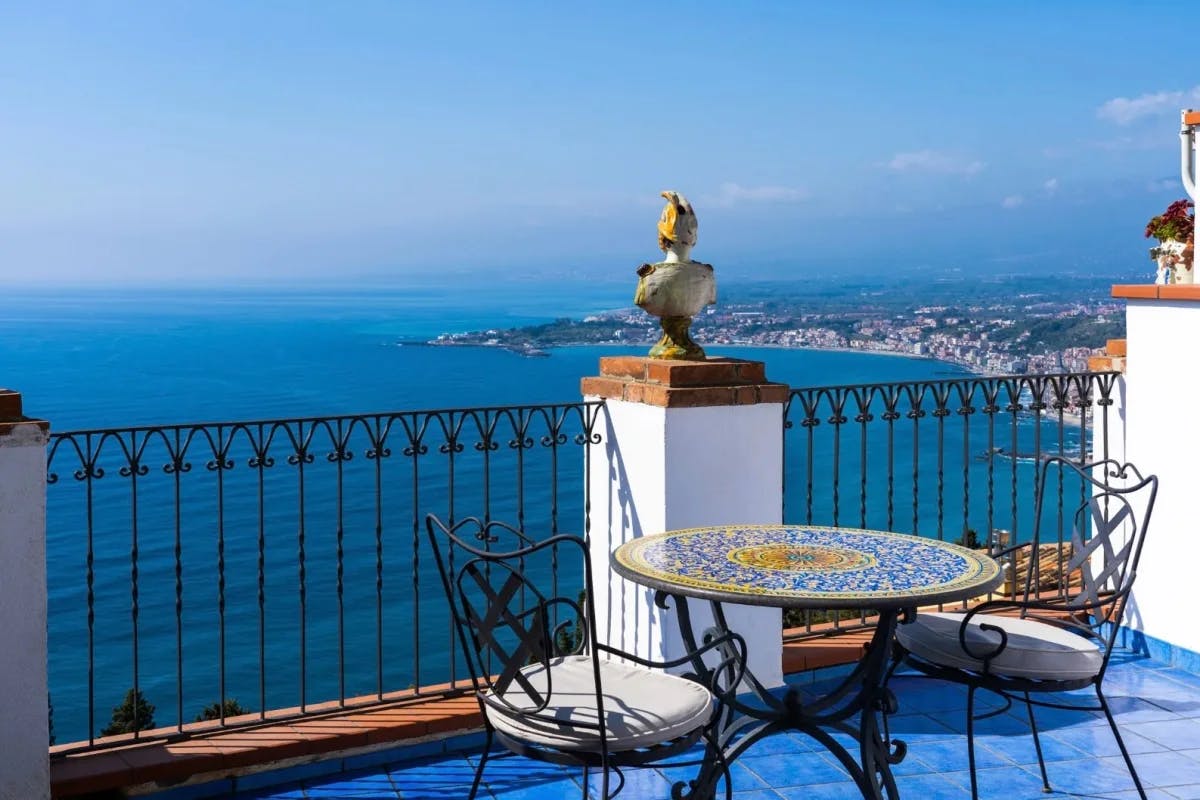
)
(24, 730)
(662, 469)
(1161, 437)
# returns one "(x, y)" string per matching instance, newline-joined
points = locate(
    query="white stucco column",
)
(24, 728)
(685, 444)
(1147, 432)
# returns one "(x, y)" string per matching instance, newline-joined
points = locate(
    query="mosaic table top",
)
(799, 566)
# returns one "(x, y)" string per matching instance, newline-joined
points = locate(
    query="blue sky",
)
(280, 141)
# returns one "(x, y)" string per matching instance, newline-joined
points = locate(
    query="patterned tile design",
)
(798, 565)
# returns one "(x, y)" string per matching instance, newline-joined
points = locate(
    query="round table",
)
(806, 567)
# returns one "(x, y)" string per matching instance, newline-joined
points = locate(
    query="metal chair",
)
(547, 689)
(1038, 644)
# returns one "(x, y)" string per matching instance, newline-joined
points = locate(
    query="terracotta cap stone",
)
(1113, 359)
(1106, 364)
(684, 384)
(1170, 291)
(10, 405)
(11, 416)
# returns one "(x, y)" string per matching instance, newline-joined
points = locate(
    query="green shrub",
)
(133, 714)
(231, 708)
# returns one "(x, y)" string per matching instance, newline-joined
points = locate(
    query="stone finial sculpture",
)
(676, 228)
(676, 288)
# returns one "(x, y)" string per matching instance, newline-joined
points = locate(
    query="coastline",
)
(543, 350)
(1070, 419)
(893, 353)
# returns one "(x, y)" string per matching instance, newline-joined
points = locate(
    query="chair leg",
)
(607, 790)
(971, 741)
(620, 781)
(586, 775)
(487, 749)
(1037, 745)
(722, 765)
(1112, 723)
(888, 700)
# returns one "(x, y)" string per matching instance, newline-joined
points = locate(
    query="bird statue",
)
(677, 227)
(676, 288)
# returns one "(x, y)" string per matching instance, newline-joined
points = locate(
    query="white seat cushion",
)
(1036, 650)
(642, 707)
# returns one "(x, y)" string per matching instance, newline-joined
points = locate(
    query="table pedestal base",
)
(852, 708)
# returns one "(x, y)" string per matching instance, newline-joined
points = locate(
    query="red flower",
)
(1174, 223)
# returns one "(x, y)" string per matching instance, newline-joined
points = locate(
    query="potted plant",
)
(1175, 253)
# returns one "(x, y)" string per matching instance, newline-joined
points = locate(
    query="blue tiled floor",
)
(1158, 709)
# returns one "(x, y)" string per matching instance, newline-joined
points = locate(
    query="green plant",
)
(133, 714)
(231, 708)
(1174, 223)
(569, 637)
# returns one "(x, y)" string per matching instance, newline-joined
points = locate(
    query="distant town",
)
(1003, 325)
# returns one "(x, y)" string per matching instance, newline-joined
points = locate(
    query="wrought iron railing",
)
(248, 566)
(953, 459)
(278, 562)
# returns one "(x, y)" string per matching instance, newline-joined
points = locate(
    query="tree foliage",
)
(133, 714)
(231, 708)
(1059, 333)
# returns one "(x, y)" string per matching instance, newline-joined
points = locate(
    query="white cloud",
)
(731, 194)
(936, 162)
(1051, 186)
(1012, 201)
(1124, 110)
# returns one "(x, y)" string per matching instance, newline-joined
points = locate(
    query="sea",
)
(122, 358)
(107, 358)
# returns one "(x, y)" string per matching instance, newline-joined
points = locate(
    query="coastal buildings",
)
(985, 331)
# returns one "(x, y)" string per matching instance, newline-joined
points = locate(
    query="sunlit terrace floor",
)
(1157, 707)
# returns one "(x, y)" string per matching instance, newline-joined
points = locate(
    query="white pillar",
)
(685, 445)
(24, 728)
(1159, 440)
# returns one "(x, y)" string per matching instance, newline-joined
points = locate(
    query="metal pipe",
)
(1187, 155)
(1187, 161)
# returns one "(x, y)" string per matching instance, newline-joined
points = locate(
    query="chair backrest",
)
(508, 607)
(1108, 530)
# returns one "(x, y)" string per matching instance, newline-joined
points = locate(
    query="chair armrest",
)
(1007, 550)
(735, 660)
(1062, 605)
(985, 608)
(991, 607)
(1024, 606)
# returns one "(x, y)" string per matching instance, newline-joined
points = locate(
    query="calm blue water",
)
(110, 359)
(129, 359)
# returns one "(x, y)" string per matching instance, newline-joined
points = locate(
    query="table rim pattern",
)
(628, 561)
